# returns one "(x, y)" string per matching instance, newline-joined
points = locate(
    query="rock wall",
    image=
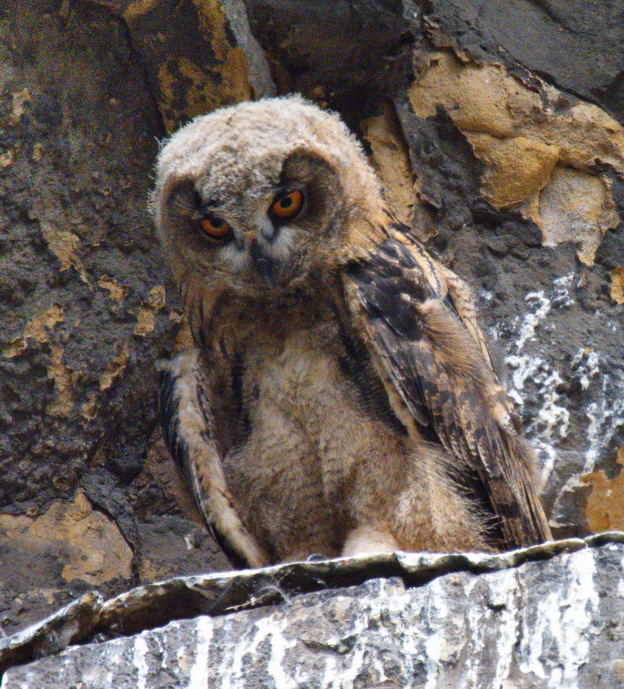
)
(497, 132)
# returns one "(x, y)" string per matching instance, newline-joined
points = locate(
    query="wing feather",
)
(420, 323)
(187, 430)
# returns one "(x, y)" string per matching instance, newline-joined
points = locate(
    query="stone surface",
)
(574, 44)
(342, 53)
(72, 624)
(67, 531)
(192, 60)
(545, 617)
(539, 156)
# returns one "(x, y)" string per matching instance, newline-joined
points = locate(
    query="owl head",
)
(271, 195)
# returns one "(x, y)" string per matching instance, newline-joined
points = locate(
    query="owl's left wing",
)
(419, 322)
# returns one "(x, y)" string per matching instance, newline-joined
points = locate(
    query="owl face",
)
(263, 202)
(259, 226)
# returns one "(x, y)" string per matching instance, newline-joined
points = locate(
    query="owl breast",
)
(319, 451)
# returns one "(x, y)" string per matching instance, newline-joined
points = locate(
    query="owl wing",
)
(188, 432)
(419, 323)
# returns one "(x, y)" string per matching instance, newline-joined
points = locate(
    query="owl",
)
(340, 397)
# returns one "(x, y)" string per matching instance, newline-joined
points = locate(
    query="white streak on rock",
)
(162, 651)
(605, 415)
(141, 649)
(560, 627)
(345, 670)
(551, 416)
(279, 645)
(541, 306)
(586, 365)
(504, 590)
(92, 676)
(199, 676)
(269, 628)
(561, 291)
(547, 458)
(476, 633)
(436, 616)
(581, 601)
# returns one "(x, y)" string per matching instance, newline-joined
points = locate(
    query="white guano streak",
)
(563, 618)
(437, 614)
(271, 628)
(199, 674)
(141, 649)
(383, 604)
(503, 590)
(605, 415)
(525, 367)
(551, 415)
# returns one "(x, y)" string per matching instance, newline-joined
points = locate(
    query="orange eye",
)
(288, 205)
(215, 227)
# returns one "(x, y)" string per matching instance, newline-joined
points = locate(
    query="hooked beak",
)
(268, 268)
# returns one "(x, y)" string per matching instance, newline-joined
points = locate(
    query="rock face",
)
(574, 49)
(506, 154)
(532, 619)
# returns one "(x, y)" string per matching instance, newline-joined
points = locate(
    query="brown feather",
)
(435, 356)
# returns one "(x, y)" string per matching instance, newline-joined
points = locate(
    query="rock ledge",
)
(550, 615)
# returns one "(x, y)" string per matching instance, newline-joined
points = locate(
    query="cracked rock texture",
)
(551, 621)
(496, 129)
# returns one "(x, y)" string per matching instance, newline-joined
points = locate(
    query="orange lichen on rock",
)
(64, 379)
(116, 291)
(576, 206)
(20, 98)
(146, 318)
(204, 90)
(67, 532)
(538, 159)
(38, 330)
(605, 507)
(617, 285)
(65, 245)
(115, 368)
(516, 169)
(7, 158)
(392, 163)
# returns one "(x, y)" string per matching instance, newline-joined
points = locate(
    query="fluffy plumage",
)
(340, 397)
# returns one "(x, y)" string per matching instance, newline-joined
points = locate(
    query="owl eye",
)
(214, 227)
(287, 205)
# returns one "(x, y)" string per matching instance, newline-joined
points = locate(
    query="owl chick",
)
(340, 397)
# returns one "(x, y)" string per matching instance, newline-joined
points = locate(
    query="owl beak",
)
(267, 266)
